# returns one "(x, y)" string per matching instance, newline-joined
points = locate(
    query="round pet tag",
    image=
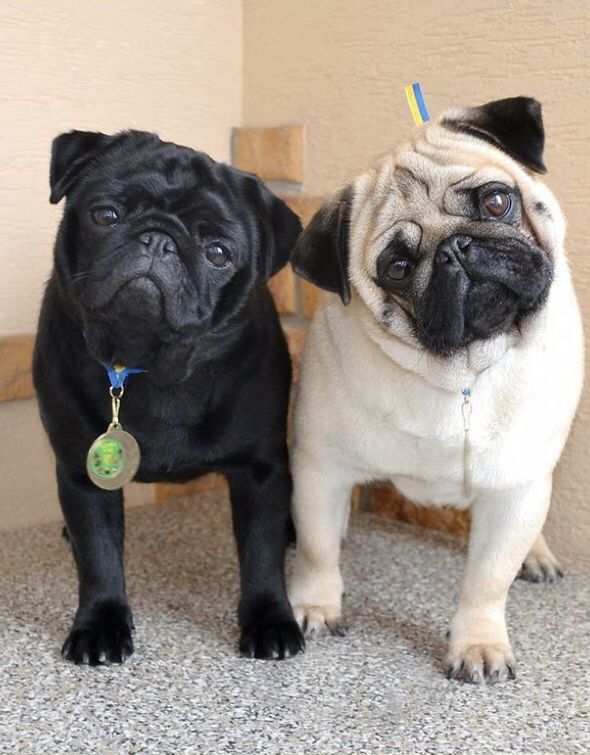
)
(113, 459)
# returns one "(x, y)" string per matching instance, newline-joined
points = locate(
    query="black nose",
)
(158, 242)
(452, 248)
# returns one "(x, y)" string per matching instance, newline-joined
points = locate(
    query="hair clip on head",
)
(417, 104)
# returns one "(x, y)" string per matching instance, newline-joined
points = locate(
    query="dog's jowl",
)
(161, 263)
(448, 359)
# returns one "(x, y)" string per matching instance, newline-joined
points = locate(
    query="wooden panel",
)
(15, 367)
(282, 288)
(274, 154)
(386, 500)
(211, 482)
(310, 296)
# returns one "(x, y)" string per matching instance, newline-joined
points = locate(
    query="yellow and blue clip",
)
(118, 373)
(417, 105)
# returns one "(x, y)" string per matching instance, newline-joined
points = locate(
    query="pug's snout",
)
(158, 243)
(452, 250)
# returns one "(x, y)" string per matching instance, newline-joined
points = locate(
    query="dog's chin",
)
(167, 357)
(455, 324)
(442, 345)
(139, 301)
(113, 341)
(465, 326)
(133, 330)
(464, 306)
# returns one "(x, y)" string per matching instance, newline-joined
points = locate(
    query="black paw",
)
(101, 634)
(275, 640)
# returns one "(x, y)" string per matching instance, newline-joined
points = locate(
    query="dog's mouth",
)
(480, 291)
(137, 299)
(477, 289)
(162, 300)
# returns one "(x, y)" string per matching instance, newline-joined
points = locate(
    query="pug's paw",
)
(317, 621)
(272, 641)
(480, 663)
(317, 603)
(541, 567)
(100, 635)
(268, 629)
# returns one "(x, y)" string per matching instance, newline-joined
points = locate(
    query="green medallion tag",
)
(113, 459)
(107, 459)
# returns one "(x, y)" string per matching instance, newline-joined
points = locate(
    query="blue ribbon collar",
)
(119, 374)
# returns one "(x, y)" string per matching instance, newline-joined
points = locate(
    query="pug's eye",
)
(105, 216)
(399, 270)
(496, 205)
(217, 255)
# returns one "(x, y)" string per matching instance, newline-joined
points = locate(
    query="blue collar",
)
(118, 374)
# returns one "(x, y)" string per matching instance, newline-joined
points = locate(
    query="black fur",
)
(216, 390)
(482, 287)
(321, 254)
(514, 124)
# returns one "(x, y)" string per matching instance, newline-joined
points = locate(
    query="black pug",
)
(161, 263)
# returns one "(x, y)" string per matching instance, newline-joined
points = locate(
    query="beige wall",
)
(171, 66)
(340, 67)
(27, 471)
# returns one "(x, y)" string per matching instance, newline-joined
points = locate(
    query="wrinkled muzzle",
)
(146, 282)
(137, 298)
(480, 287)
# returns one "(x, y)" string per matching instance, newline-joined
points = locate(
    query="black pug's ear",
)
(70, 154)
(285, 228)
(515, 125)
(321, 254)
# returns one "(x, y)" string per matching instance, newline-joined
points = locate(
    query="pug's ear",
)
(515, 125)
(321, 254)
(70, 154)
(283, 227)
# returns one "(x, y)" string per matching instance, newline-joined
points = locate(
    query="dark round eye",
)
(496, 205)
(105, 216)
(217, 255)
(399, 270)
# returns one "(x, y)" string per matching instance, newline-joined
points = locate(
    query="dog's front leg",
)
(504, 527)
(260, 499)
(321, 504)
(101, 632)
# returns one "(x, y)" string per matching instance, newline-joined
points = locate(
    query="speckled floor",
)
(379, 690)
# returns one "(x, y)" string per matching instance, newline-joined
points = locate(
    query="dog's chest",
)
(421, 449)
(179, 433)
(417, 439)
